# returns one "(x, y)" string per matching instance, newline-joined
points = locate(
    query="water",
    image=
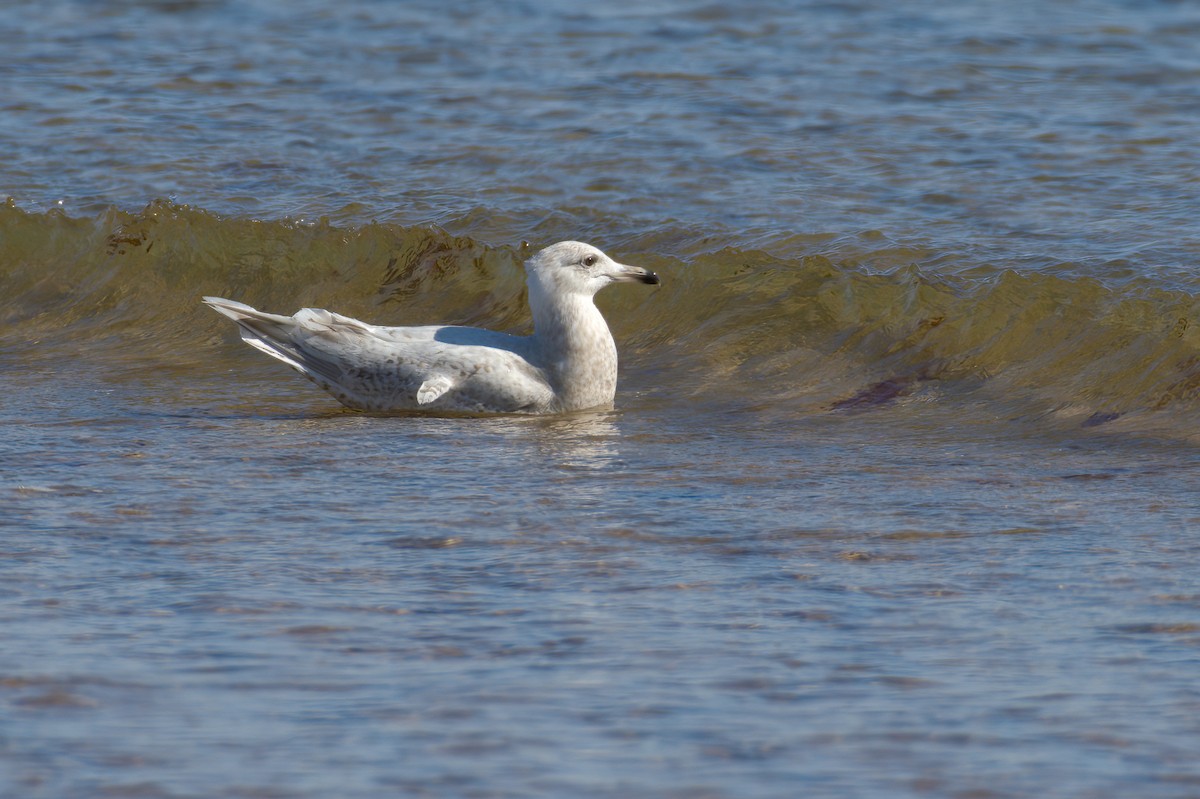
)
(898, 498)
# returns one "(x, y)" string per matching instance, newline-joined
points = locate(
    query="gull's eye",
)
(589, 260)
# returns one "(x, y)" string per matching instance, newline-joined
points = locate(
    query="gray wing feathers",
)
(280, 337)
(390, 368)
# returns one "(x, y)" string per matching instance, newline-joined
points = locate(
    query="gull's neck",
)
(574, 347)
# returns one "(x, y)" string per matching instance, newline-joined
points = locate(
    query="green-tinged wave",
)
(740, 327)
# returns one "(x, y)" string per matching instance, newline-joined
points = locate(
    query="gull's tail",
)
(283, 337)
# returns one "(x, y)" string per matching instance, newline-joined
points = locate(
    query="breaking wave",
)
(748, 328)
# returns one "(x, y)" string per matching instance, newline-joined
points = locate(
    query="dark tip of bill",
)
(650, 278)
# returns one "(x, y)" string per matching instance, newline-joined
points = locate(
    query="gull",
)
(568, 364)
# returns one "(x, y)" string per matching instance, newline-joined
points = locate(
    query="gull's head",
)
(572, 267)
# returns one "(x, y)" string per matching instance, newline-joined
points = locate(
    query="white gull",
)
(568, 364)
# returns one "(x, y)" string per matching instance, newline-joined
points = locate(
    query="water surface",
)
(898, 498)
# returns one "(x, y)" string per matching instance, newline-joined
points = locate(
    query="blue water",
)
(771, 571)
(612, 605)
(1045, 132)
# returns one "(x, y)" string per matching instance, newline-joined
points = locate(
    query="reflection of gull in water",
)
(568, 364)
(583, 441)
(582, 455)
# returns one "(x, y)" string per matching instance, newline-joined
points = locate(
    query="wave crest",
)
(750, 327)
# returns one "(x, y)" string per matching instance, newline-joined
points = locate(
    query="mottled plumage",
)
(568, 364)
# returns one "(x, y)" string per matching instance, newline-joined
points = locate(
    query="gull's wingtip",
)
(233, 309)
